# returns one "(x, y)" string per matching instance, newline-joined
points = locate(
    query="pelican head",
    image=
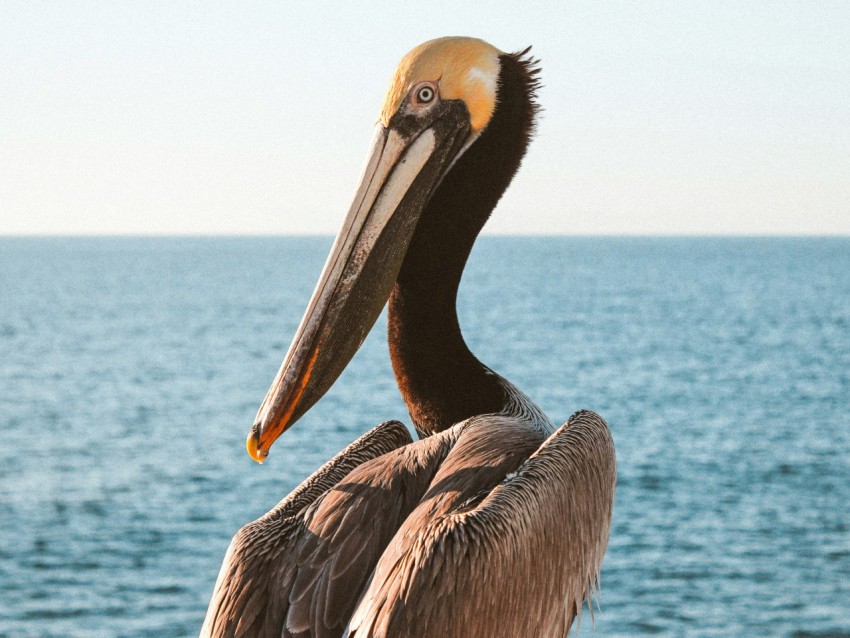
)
(440, 100)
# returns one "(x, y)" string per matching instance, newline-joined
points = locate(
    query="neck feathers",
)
(441, 381)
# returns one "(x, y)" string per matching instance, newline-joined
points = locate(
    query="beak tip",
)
(252, 444)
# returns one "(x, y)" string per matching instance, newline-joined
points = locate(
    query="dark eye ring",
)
(425, 94)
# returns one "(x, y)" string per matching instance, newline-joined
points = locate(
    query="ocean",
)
(131, 370)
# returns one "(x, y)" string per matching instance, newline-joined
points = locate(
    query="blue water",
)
(131, 370)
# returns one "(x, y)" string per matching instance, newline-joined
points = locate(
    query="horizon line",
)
(718, 235)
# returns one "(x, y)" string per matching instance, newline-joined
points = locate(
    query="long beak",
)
(404, 166)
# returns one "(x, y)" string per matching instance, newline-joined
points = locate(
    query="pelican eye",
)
(424, 94)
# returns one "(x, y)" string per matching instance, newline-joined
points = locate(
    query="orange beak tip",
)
(254, 451)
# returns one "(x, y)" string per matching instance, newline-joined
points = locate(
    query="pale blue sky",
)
(254, 118)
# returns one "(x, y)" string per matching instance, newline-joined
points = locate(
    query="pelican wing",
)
(249, 597)
(343, 535)
(519, 560)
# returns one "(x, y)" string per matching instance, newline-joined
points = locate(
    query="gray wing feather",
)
(254, 583)
(344, 534)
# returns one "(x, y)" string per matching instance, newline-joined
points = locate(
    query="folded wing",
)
(251, 594)
(518, 560)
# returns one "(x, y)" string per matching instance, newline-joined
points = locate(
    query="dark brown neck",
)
(441, 381)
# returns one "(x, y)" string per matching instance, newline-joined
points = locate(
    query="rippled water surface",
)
(131, 370)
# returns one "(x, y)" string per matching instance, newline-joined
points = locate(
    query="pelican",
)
(493, 523)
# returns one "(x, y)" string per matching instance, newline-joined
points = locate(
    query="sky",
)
(254, 118)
